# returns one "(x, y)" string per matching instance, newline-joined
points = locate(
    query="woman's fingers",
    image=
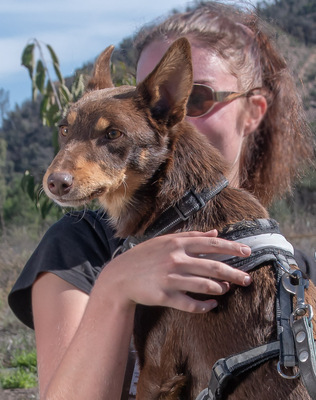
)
(183, 252)
(162, 270)
(216, 270)
(183, 302)
(199, 284)
(208, 243)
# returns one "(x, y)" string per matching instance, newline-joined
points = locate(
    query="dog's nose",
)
(59, 183)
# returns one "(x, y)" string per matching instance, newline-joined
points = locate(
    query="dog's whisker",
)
(125, 188)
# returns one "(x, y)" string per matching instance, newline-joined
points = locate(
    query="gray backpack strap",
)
(306, 353)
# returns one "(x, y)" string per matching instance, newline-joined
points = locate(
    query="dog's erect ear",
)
(101, 77)
(167, 88)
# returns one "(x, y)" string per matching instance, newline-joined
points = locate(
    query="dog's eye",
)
(63, 130)
(113, 134)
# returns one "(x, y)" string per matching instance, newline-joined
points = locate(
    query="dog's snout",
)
(59, 183)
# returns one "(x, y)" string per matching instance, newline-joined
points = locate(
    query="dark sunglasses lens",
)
(200, 101)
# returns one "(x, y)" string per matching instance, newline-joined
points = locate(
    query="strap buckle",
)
(295, 284)
(283, 375)
(221, 376)
(190, 201)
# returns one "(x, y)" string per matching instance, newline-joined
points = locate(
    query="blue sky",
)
(77, 30)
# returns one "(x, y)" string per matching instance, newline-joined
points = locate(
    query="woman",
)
(83, 335)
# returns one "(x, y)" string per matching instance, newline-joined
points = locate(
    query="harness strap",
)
(189, 204)
(305, 346)
(267, 245)
(228, 369)
(284, 308)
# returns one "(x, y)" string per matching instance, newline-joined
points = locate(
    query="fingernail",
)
(247, 280)
(245, 250)
(209, 305)
(227, 287)
(213, 304)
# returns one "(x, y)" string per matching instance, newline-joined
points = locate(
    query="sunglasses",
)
(203, 99)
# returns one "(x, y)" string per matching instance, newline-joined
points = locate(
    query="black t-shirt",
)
(75, 248)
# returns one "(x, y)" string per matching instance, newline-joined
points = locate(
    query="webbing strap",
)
(228, 369)
(284, 308)
(189, 204)
(306, 353)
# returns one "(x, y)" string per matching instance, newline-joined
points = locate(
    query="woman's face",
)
(223, 125)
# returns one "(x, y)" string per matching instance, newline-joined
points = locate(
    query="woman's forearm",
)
(95, 361)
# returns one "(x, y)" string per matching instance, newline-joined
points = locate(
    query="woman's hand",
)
(72, 328)
(162, 270)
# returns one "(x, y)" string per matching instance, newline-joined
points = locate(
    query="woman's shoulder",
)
(87, 221)
(75, 248)
(76, 234)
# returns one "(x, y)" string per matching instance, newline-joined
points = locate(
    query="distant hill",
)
(296, 17)
(296, 39)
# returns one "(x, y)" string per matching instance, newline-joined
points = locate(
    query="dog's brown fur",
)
(131, 148)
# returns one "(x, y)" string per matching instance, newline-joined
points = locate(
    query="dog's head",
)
(113, 140)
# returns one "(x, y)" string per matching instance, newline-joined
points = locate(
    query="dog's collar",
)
(189, 204)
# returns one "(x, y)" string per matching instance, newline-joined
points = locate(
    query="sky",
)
(78, 30)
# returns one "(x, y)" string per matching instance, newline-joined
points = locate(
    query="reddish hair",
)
(274, 155)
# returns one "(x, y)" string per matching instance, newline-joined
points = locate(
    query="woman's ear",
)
(257, 107)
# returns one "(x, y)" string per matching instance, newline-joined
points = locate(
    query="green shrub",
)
(25, 360)
(22, 371)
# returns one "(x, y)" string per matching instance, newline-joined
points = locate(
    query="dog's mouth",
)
(70, 200)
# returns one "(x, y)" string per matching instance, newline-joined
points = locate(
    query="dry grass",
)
(15, 249)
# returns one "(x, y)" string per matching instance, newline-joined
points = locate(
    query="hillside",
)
(302, 61)
(297, 18)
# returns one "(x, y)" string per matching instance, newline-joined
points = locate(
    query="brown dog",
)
(131, 148)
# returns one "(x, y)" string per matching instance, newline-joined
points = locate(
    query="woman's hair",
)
(282, 145)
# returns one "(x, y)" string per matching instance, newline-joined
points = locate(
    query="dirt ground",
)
(19, 394)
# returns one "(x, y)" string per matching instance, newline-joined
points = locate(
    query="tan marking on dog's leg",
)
(71, 117)
(102, 124)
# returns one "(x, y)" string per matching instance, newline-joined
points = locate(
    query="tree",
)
(297, 18)
(29, 144)
(4, 104)
(55, 96)
(3, 151)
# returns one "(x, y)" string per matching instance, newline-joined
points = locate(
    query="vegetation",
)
(28, 143)
(298, 18)
(21, 372)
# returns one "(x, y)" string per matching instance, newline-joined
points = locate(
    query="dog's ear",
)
(101, 77)
(167, 88)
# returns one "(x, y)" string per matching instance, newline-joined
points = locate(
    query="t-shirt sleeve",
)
(75, 248)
